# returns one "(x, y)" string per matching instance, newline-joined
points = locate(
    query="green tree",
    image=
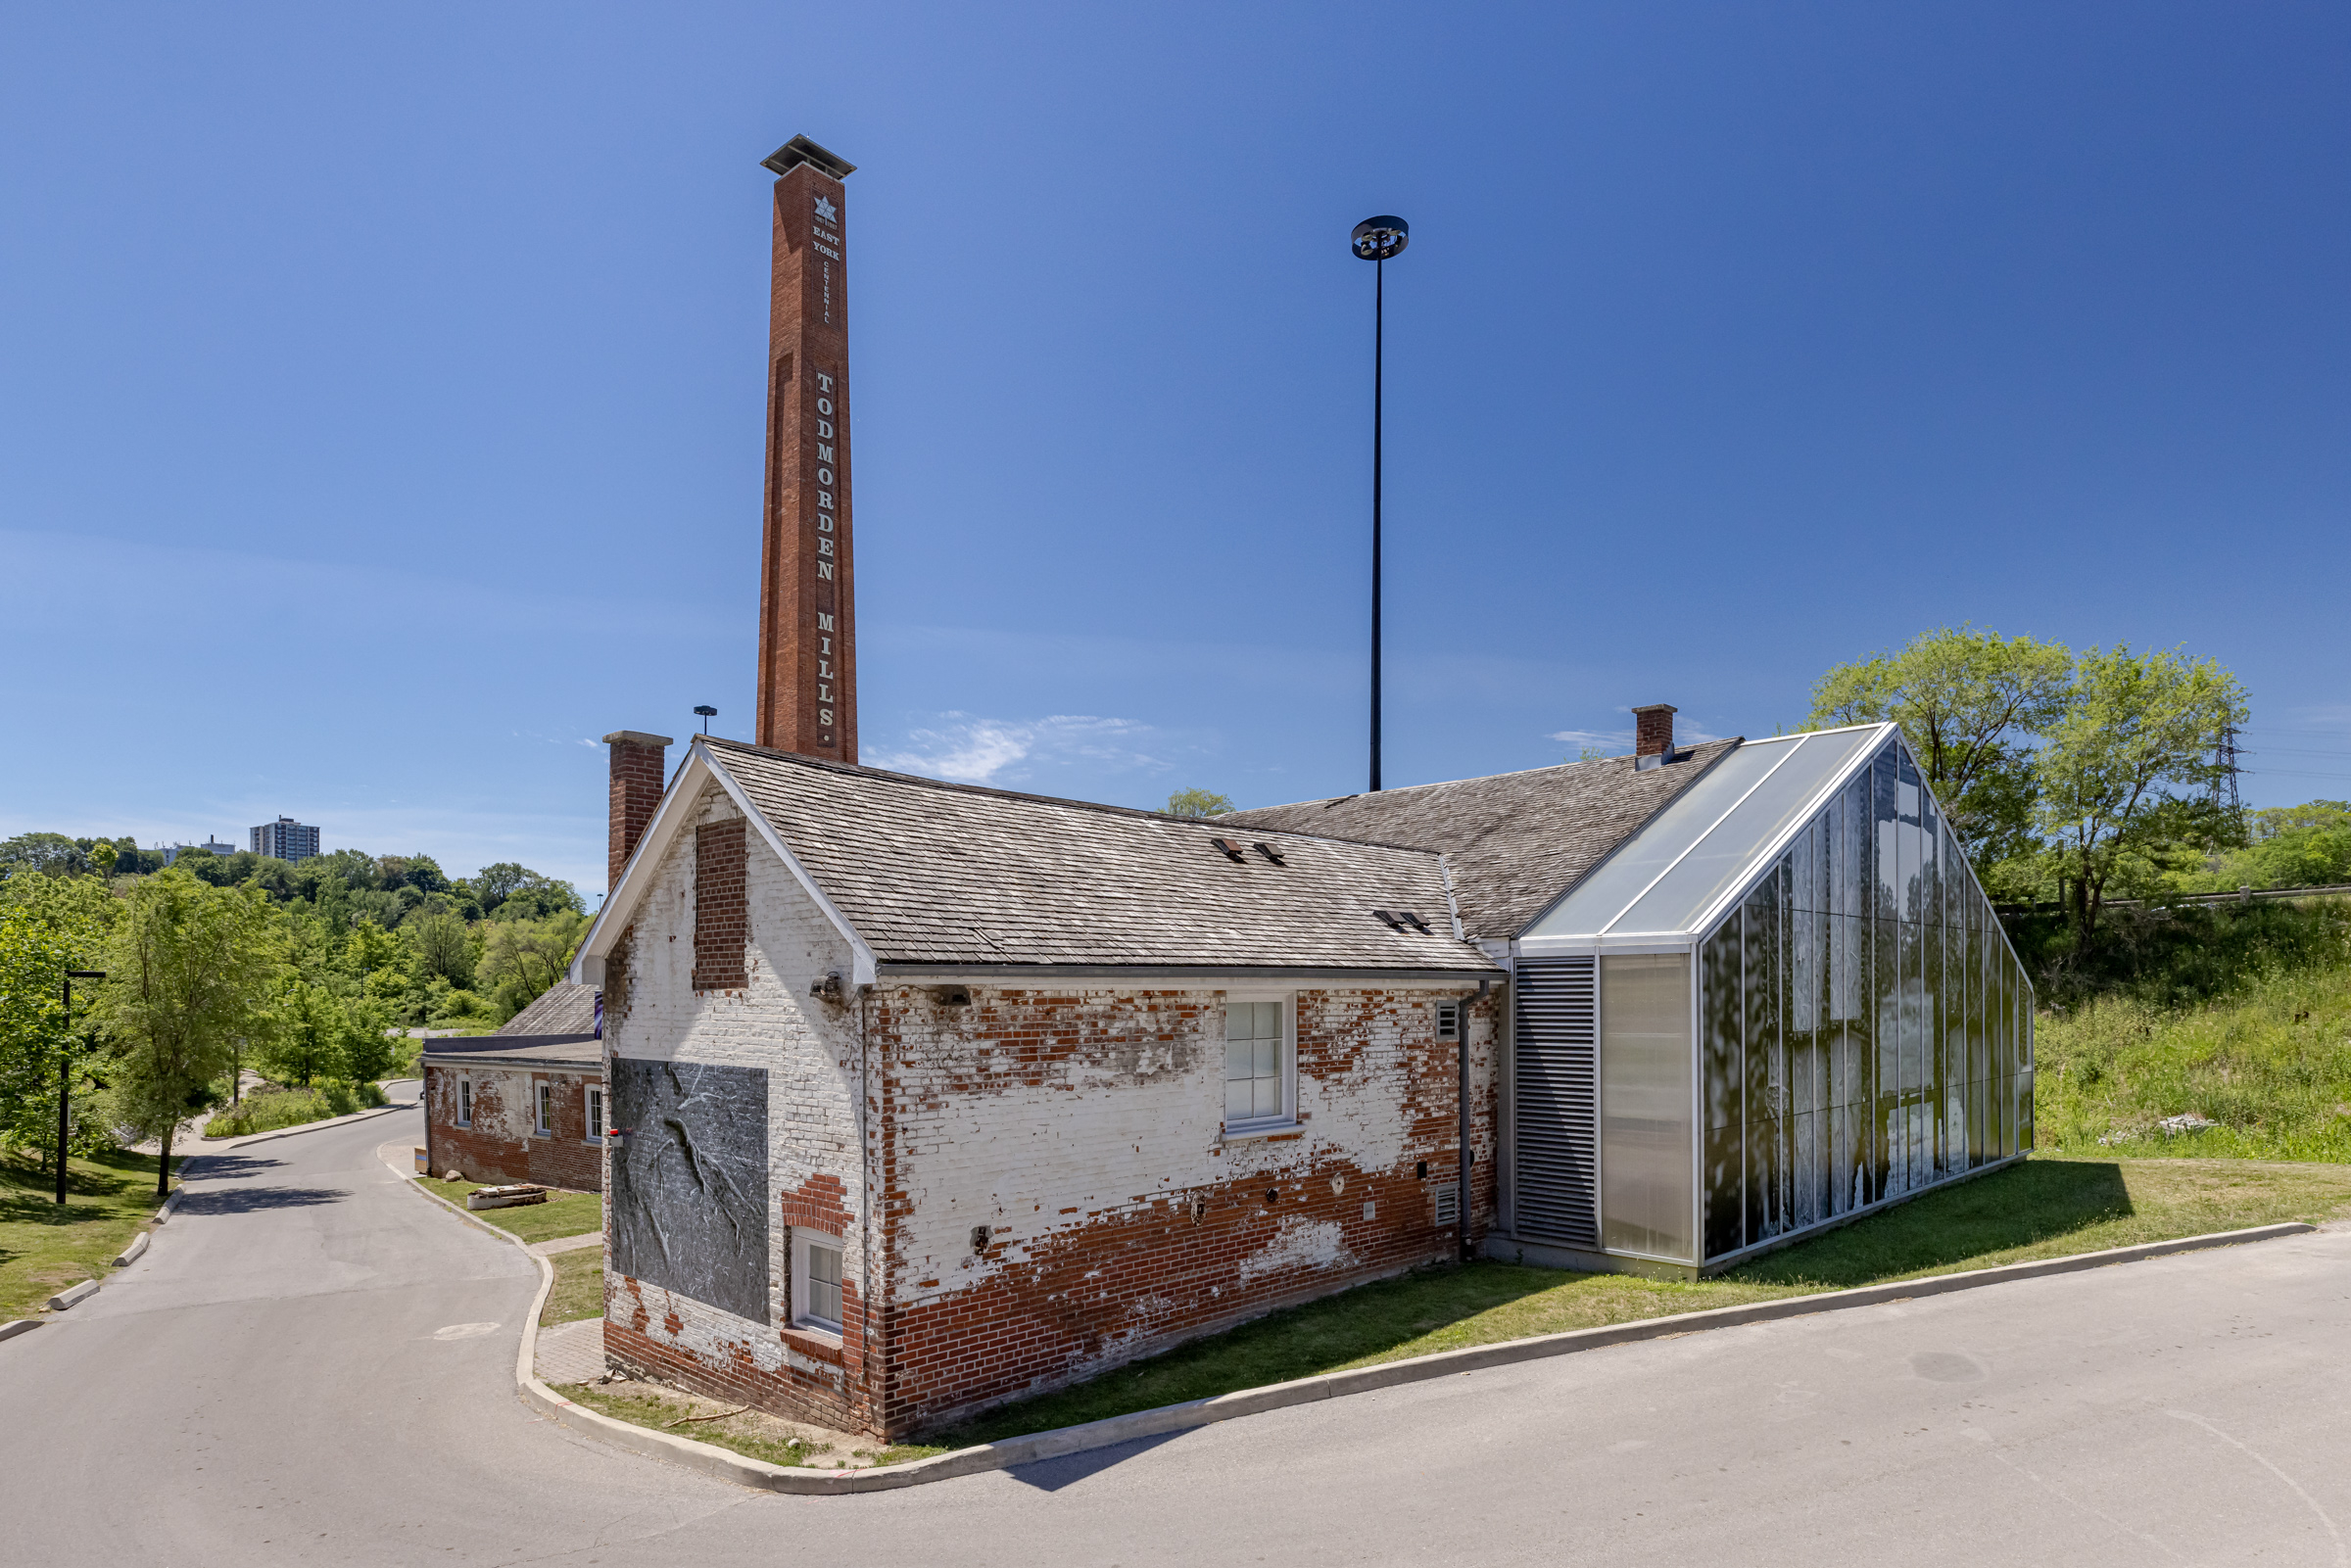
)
(191, 968)
(51, 854)
(523, 957)
(439, 944)
(1198, 803)
(1973, 705)
(319, 1034)
(2289, 846)
(47, 927)
(2127, 769)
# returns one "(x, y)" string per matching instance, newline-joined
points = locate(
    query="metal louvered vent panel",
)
(1557, 1087)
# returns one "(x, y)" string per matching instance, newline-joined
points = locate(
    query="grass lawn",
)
(579, 1286)
(564, 1214)
(2046, 1207)
(44, 1247)
(2271, 1065)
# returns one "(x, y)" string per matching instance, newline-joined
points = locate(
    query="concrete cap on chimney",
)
(636, 738)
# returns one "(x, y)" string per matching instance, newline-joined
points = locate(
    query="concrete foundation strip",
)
(729, 1465)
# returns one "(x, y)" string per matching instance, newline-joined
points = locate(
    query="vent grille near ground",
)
(1554, 1088)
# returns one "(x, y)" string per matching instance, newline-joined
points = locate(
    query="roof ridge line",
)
(860, 770)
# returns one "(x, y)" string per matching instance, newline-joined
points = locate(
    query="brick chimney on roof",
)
(1654, 736)
(638, 771)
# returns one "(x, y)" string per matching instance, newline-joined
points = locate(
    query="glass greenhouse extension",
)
(1783, 1001)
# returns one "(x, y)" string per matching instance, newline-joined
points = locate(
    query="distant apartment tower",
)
(285, 839)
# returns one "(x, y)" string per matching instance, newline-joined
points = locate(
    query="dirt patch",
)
(752, 1432)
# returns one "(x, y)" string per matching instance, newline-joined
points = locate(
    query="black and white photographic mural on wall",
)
(690, 1181)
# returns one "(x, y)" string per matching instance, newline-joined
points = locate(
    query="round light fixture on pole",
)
(1375, 240)
(706, 713)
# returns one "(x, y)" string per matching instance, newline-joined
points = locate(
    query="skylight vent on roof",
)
(1414, 921)
(1269, 852)
(1391, 921)
(1232, 851)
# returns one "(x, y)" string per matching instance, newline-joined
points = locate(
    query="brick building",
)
(526, 1104)
(928, 1096)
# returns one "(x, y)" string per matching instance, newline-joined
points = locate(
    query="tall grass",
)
(268, 1110)
(2270, 1064)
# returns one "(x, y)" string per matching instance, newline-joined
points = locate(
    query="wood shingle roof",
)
(929, 873)
(1514, 842)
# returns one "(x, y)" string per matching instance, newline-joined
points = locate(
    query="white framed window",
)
(545, 1095)
(815, 1280)
(464, 1102)
(1259, 1063)
(596, 1115)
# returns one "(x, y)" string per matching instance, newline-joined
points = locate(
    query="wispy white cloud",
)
(1618, 743)
(972, 749)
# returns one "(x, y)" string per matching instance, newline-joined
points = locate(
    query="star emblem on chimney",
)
(826, 211)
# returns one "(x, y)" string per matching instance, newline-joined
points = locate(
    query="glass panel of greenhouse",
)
(1851, 1026)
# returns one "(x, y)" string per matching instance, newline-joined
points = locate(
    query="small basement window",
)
(815, 1282)
(596, 1115)
(464, 1102)
(547, 1109)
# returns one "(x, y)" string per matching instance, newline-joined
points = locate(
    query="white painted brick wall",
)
(808, 1048)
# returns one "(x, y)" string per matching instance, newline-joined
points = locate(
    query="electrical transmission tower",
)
(2224, 784)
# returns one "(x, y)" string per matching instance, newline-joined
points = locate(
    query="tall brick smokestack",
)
(638, 770)
(807, 613)
(1654, 737)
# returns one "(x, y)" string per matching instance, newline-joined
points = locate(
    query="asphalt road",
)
(312, 1366)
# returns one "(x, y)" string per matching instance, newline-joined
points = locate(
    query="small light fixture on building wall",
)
(706, 713)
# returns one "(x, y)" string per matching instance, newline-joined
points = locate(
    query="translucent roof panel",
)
(1709, 840)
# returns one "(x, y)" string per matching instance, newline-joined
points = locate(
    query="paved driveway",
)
(313, 1366)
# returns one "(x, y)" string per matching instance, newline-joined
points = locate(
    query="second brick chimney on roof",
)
(1654, 736)
(638, 772)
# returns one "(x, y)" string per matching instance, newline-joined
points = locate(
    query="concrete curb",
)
(130, 1253)
(72, 1295)
(22, 1325)
(172, 1202)
(732, 1466)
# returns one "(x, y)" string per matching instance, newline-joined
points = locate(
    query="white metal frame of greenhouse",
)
(1778, 1006)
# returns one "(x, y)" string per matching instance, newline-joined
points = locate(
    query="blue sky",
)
(381, 390)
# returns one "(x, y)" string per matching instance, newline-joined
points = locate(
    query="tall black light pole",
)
(65, 1076)
(1375, 240)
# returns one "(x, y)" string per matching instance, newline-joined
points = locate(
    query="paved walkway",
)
(571, 1352)
(311, 1365)
(567, 1244)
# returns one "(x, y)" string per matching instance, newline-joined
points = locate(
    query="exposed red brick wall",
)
(650, 1330)
(638, 768)
(722, 911)
(1138, 1277)
(488, 1152)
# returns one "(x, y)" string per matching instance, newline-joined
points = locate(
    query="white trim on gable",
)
(669, 819)
(863, 959)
